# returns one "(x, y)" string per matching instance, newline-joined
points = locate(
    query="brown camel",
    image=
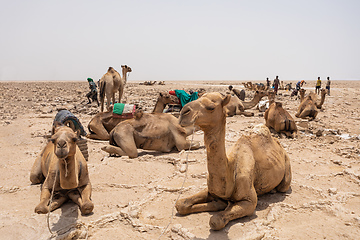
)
(62, 166)
(112, 82)
(277, 118)
(322, 100)
(307, 107)
(236, 107)
(102, 123)
(149, 131)
(255, 165)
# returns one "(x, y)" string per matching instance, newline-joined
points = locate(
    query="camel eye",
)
(210, 108)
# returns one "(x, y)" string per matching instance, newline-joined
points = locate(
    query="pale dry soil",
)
(134, 198)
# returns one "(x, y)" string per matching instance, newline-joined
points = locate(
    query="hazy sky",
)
(180, 40)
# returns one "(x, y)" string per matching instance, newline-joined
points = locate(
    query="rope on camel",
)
(182, 186)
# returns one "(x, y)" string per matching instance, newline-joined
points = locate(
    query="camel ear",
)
(55, 127)
(226, 100)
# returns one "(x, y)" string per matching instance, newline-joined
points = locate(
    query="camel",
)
(112, 82)
(236, 107)
(322, 100)
(102, 123)
(307, 107)
(149, 131)
(62, 168)
(277, 118)
(255, 165)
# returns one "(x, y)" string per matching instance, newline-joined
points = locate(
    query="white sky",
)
(180, 39)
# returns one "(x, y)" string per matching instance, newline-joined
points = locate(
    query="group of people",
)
(318, 85)
(299, 84)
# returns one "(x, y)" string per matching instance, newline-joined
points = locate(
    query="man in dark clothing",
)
(93, 92)
(276, 84)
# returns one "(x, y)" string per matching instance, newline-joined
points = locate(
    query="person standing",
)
(276, 84)
(268, 83)
(318, 86)
(328, 85)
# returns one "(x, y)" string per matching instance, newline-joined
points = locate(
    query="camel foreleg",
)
(82, 199)
(99, 132)
(233, 211)
(200, 202)
(56, 203)
(42, 207)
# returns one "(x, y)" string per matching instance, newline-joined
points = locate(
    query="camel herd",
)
(255, 165)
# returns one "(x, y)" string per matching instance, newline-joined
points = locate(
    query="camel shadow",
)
(264, 201)
(68, 218)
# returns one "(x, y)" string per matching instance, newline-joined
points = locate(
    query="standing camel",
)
(112, 82)
(255, 165)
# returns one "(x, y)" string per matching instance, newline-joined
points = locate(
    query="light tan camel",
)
(255, 165)
(149, 131)
(102, 123)
(236, 107)
(257, 97)
(112, 82)
(277, 118)
(62, 163)
(307, 107)
(322, 100)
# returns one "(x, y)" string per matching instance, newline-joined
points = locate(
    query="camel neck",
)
(68, 173)
(252, 103)
(322, 100)
(220, 180)
(159, 106)
(124, 74)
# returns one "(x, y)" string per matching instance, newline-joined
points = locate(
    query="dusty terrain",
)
(134, 198)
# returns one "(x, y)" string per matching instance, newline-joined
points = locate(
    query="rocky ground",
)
(134, 198)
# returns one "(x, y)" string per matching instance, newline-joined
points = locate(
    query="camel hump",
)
(111, 70)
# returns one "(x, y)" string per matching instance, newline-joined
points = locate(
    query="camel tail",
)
(287, 124)
(102, 90)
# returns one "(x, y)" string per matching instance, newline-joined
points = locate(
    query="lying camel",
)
(322, 100)
(277, 118)
(102, 123)
(255, 165)
(307, 107)
(149, 131)
(112, 82)
(62, 166)
(236, 107)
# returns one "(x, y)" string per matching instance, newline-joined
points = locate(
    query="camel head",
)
(271, 96)
(302, 93)
(126, 68)
(207, 111)
(260, 94)
(64, 140)
(166, 98)
(323, 92)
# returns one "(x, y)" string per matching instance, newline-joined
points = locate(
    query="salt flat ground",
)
(134, 197)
